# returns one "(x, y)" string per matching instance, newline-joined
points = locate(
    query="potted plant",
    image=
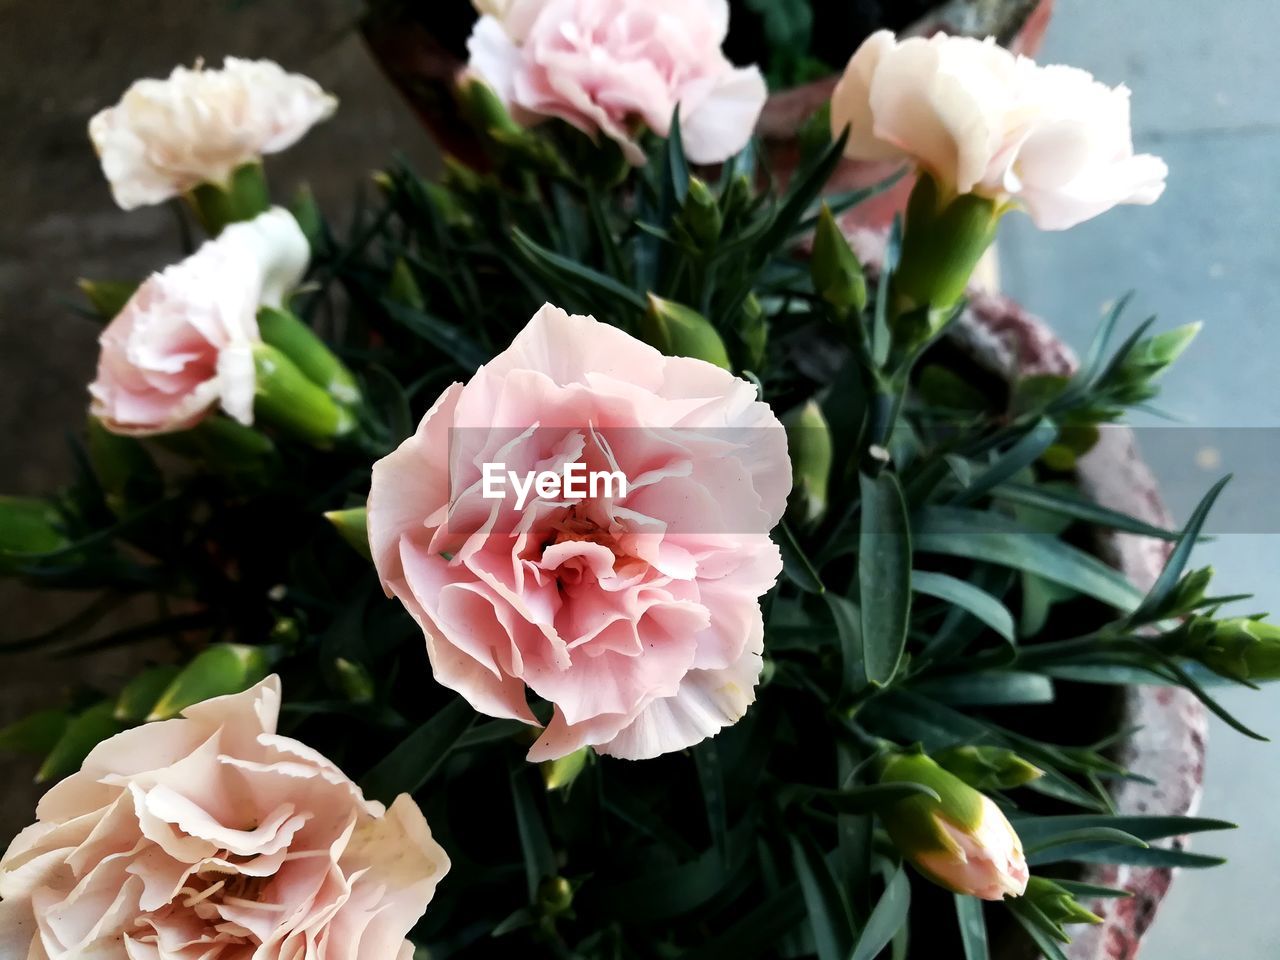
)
(839, 671)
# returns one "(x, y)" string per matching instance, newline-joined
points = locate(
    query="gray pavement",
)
(1204, 80)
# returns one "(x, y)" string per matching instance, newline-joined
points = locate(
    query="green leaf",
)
(884, 576)
(139, 697)
(979, 535)
(1106, 836)
(806, 187)
(706, 757)
(830, 919)
(991, 688)
(795, 564)
(1018, 458)
(82, 734)
(222, 669)
(759, 931)
(539, 856)
(1078, 508)
(578, 275)
(448, 338)
(353, 526)
(1037, 830)
(889, 915)
(1043, 931)
(37, 733)
(973, 927)
(966, 596)
(411, 764)
(1167, 583)
(862, 800)
(848, 620)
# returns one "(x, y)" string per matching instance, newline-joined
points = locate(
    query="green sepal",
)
(297, 341)
(242, 197)
(352, 526)
(679, 331)
(291, 401)
(988, 768)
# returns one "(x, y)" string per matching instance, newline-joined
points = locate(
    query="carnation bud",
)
(555, 896)
(297, 341)
(701, 217)
(1240, 648)
(243, 197)
(961, 841)
(988, 768)
(754, 331)
(1057, 903)
(809, 442)
(287, 398)
(352, 527)
(943, 241)
(560, 773)
(484, 108)
(678, 331)
(403, 288)
(837, 275)
(355, 681)
(1132, 379)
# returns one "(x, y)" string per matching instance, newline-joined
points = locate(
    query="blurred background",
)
(1204, 79)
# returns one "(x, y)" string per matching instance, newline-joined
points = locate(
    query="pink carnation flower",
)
(637, 617)
(612, 66)
(211, 837)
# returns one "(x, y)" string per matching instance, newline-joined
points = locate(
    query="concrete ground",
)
(60, 63)
(1204, 78)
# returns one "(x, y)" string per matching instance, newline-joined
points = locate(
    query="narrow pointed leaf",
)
(884, 576)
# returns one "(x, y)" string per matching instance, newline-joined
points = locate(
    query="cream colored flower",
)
(166, 137)
(212, 837)
(981, 120)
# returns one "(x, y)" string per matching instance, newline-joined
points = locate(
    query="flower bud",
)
(484, 108)
(555, 896)
(701, 217)
(352, 526)
(1240, 648)
(285, 397)
(809, 441)
(988, 768)
(943, 241)
(837, 275)
(297, 341)
(678, 331)
(1057, 903)
(560, 773)
(754, 331)
(961, 841)
(355, 681)
(1132, 379)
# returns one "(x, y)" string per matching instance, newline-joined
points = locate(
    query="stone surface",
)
(1208, 251)
(60, 63)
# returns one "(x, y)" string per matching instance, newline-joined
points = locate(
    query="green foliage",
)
(936, 589)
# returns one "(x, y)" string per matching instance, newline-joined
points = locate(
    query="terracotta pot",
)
(1169, 745)
(425, 71)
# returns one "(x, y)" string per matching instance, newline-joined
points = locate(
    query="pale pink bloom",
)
(211, 837)
(615, 66)
(166, 137)
(183, 344)
(985, 861)
(636, 616)
(979, 119)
